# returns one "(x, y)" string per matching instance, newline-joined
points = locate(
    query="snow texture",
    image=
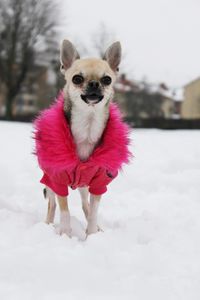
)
(150, 247)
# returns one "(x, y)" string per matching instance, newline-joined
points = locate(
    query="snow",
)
(150, 247)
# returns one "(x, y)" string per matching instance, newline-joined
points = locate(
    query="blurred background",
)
(159, 79)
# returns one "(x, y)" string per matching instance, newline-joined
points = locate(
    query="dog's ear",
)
(68, 55)
(113, 56)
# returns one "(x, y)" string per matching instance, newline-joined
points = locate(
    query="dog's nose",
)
(93, 84)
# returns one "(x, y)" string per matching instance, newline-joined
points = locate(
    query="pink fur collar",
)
(56, 150)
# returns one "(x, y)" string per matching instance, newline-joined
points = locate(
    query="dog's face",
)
(89, 82)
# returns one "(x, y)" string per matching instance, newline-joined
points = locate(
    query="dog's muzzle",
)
(91, 98)
(93, 93)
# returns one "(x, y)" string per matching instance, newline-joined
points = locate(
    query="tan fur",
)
(63, 204)
(92, 226)
(64, 216)
(91, 68)
(51, 206)
(84, 198)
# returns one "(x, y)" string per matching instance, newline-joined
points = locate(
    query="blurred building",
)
(2, 99)
(178, 100)
(191, 104)
(124, 89)
(35, 94)
(142, 100)
(167, 105)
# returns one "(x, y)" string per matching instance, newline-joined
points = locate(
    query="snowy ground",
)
(150, 248)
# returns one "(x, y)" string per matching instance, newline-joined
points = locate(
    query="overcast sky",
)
(160, 38)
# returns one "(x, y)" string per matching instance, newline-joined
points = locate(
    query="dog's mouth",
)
(92, 98)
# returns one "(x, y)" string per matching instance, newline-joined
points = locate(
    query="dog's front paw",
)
(92, 228)
(65, 230)
(64, 226)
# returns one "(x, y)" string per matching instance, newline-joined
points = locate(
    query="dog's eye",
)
(77, 79)
(106, 80)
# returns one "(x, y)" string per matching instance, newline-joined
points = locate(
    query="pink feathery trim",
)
(55, 147)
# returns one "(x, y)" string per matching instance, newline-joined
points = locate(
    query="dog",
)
(94, 127)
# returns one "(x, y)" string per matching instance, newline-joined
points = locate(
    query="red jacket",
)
(57, 156)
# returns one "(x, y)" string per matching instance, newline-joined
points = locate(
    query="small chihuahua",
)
(87, 95)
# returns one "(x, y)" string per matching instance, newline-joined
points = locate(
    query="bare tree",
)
(102, 38)
(27, 33)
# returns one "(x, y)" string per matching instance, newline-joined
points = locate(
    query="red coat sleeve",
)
(58, 183)
(99, 182)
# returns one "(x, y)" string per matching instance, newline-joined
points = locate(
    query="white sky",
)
(160, 38)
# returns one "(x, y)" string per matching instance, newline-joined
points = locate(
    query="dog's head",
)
(89, 82)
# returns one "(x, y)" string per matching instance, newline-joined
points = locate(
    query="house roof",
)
(191, 82)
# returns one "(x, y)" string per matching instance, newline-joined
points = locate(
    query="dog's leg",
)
(92, 217)
(48, 193)
(84, 198)
(64, 216)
